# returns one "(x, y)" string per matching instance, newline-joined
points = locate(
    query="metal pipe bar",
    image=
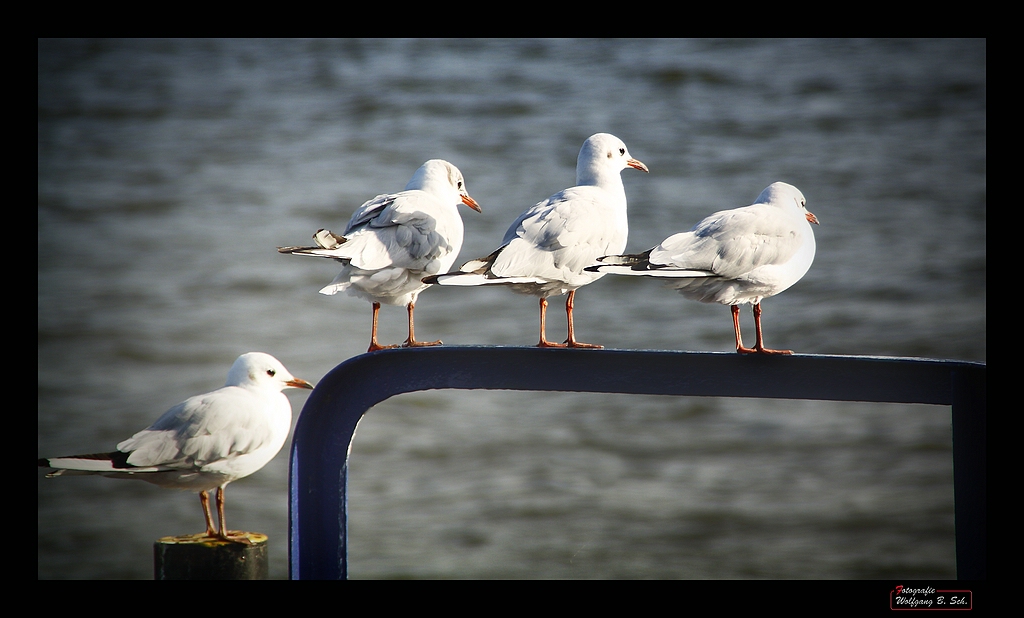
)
(318, 519)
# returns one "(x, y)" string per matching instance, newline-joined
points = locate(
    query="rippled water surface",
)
(170, 170)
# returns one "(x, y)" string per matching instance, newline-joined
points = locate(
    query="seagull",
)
(737, 256)
(206, 441)
(396, 239)
(546, 249)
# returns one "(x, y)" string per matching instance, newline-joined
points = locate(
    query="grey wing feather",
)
(370, 210)
(729, 243)
(201, 430)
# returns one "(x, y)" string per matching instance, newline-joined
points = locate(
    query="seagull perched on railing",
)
(546, 249)
(737, 256)
(206, 441)
(396, 239)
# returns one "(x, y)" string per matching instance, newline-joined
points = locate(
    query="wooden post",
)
(197, 556)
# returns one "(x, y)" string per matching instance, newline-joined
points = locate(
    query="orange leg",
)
(411, 341)
(759, 345)
(736, 329)
(544, 343)
(374, 346)
(204, 499)
(239, 536)
(571, 340)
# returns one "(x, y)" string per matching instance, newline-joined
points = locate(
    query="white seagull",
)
(206, 441)
(396, 239)
(546, 249)
(737, 256)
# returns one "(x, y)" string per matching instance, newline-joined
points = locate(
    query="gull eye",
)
(271, 372)
(622, 151)
(460, 184)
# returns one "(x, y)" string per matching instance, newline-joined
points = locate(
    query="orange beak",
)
(810, 217)
(468, 201)
(637, 165)
(299, 383)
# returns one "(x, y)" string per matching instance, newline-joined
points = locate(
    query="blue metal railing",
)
(318, 517)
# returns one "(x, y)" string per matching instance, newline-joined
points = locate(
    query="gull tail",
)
(95, 463)
(639, 264)
(478, 272)
(629, 264)
(456, 278)
(326, 242)
(480, 266)
(471, 279)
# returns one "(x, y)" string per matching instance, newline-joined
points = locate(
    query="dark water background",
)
(170, 170)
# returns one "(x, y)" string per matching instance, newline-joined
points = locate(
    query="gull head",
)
(444, 180)
(256, 369)
(602, 156)
(783, 194)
